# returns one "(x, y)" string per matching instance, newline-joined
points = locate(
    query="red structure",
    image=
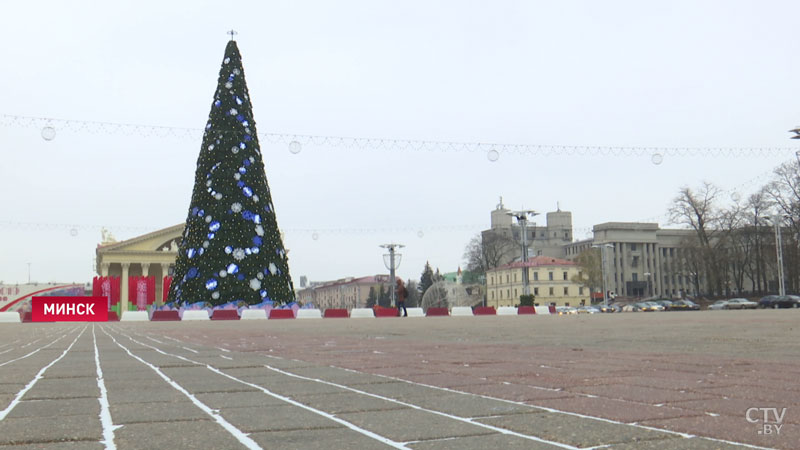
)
(141, 292)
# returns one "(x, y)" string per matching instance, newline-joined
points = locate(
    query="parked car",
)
(741, 303)
(667, 304)
(766, 301)
(684, 305)
(588, 310)
(606, 309)
(565, 310)
(655, 306)
(719, 304)
(779, 301)
(631, 307)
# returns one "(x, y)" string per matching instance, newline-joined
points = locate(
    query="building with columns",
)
(641, 259)
(152, 254)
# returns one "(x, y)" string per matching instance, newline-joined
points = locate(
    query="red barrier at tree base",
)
(484, 311)
(386, 312)
(526, 310)
(437, 312)
(225, 314)
(159, 316)
(281, 314)
(335, 313)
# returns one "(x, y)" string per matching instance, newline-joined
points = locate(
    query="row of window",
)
(550, 276)
(551, 292)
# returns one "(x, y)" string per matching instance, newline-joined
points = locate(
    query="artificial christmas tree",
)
(231, 248)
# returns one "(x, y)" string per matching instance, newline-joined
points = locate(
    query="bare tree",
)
(486, 251)
(591, 273)
(698, 209)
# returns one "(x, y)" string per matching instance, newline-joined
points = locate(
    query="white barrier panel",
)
(254, 314)
(361, 313)
(10, 317)
(415, 312)
(461, 311)
(506, 311)
(134, 316)
(195, 314)
(545, 310)
(309, 314)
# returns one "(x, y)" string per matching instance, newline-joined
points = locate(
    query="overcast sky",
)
(574, 73)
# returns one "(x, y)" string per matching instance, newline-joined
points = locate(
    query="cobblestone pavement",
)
(624, 381)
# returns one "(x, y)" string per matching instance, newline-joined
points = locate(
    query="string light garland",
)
(295, 142)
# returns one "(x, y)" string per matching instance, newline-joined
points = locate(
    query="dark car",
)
(779, 301)
(684, 305)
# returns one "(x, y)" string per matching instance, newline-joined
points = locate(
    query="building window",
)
(672, 252)
(633, 247)
(492, 295)
(565, 276)
(566, 290)
(552, 292)
(507, 278)
(580, 291)
(515, 277)
(535, 276)
(508, 293)
(535, 291)
(492, 280)
(635, 276)
(515, 293)
(551, 276)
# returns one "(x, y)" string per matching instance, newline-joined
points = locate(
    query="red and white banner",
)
(69, 309)
(107, 287)
(141, 291)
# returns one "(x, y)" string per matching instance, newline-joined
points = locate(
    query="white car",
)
(719, 304)
(565, 310)
(741, 303)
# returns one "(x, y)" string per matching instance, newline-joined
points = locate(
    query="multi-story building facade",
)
(549, 280)
(641, 259)
(347, 293)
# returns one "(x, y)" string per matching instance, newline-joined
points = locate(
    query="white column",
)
(145, 269)
(104, 269)
(123, 301)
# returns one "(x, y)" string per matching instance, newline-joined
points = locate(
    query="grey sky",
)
(611, 73)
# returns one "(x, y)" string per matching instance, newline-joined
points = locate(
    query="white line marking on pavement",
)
(105, 411)
(36, 378)
(240, 435)
(226, 357)
(6, 351)
(191, 350)
(35, 351)
(222, 349)
(552, 410)
(154, 340)
(332, 417)
(420, 408)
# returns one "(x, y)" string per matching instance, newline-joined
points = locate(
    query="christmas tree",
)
(231, 248)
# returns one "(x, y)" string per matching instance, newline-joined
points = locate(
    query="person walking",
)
(402, 293)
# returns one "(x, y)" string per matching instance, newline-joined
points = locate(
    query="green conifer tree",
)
(231, 248)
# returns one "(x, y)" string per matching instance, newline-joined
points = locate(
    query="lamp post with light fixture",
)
(522, 220)
(603, 248)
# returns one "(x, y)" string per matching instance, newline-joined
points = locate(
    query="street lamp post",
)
(392, 262)
(776, 222)
(603, 269)
(522, 219)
